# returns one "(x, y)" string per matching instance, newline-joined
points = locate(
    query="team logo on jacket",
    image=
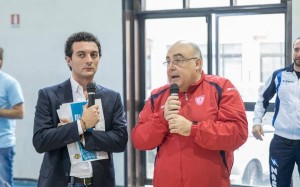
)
(200, 99)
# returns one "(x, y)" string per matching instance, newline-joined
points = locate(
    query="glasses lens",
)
(166, 63)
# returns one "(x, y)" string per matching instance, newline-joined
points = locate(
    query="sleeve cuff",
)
(194, 130)
(257, 121)
(80, 131)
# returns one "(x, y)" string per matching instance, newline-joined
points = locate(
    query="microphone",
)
(91, 93)
(174, 89)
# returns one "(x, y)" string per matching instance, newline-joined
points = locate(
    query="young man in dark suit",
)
(52, 134)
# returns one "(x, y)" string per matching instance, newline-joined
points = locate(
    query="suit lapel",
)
(98, 92)
(64, 92)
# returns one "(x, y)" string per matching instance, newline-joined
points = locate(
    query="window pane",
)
(231, 60)
(257, 2)
(272, 57)
(258, 36)
(251, 47)
(150, 159)
(210, 3)
(163, 4)
(268, 64)
(251, 160)
(232, 64)
(272, 48)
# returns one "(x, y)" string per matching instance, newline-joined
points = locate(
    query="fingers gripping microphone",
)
(174, 89)
(91, 93)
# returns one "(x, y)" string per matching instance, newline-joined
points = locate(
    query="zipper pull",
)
(186, 97)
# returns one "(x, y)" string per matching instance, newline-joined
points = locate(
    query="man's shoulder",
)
(161, 89)
(7, 77)
(288, 69)
(104, 88)
(215, 78)
(59, 85)
(8, 80)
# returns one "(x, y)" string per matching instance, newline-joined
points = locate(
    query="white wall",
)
(34, 54)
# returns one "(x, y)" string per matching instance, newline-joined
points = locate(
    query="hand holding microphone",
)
(177, 123)
(90, 115)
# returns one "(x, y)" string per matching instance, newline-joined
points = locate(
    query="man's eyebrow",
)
(86, 52)
(80, 52)
(178, 55)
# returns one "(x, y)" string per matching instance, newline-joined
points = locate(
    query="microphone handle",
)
(91, 99)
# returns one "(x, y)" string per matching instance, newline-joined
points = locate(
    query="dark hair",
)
(1, 53)
(79, 37)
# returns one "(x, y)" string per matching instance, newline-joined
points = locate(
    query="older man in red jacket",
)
(196, 130)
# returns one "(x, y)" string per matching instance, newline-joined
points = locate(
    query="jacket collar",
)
(194, 86)
(64, 92)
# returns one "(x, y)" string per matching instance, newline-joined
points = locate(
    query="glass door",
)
(250, 48)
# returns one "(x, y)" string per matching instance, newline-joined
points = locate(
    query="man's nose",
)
(171, 65)
(89, 58)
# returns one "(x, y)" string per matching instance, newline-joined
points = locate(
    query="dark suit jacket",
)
(53, 140)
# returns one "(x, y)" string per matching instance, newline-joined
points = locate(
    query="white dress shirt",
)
(84, 169)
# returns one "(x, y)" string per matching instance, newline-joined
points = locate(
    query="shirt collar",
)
(76, 88)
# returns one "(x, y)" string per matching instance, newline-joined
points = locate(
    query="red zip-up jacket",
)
(205, 158)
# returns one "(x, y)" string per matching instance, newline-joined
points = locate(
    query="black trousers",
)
(284, 153)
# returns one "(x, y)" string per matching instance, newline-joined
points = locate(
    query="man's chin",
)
(88, 75)
(174, 82)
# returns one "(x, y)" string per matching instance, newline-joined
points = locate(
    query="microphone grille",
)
(90, 87)
(174, 88)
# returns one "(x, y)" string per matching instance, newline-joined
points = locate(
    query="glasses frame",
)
(179, 62)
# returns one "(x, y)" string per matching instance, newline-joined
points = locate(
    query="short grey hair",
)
(196, 49)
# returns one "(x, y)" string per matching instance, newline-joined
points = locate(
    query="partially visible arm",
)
(150, 130)
(265, 95)
(115, 136)
(47, 135)
(16, 112)
(13, 106)
(230, 129)
(258, 131)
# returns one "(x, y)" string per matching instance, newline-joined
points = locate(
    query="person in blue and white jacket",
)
(285, 145)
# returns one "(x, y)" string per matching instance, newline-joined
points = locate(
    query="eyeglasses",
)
(178, 61)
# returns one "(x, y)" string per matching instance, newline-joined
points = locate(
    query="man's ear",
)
(68, 60)
(199, 64)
